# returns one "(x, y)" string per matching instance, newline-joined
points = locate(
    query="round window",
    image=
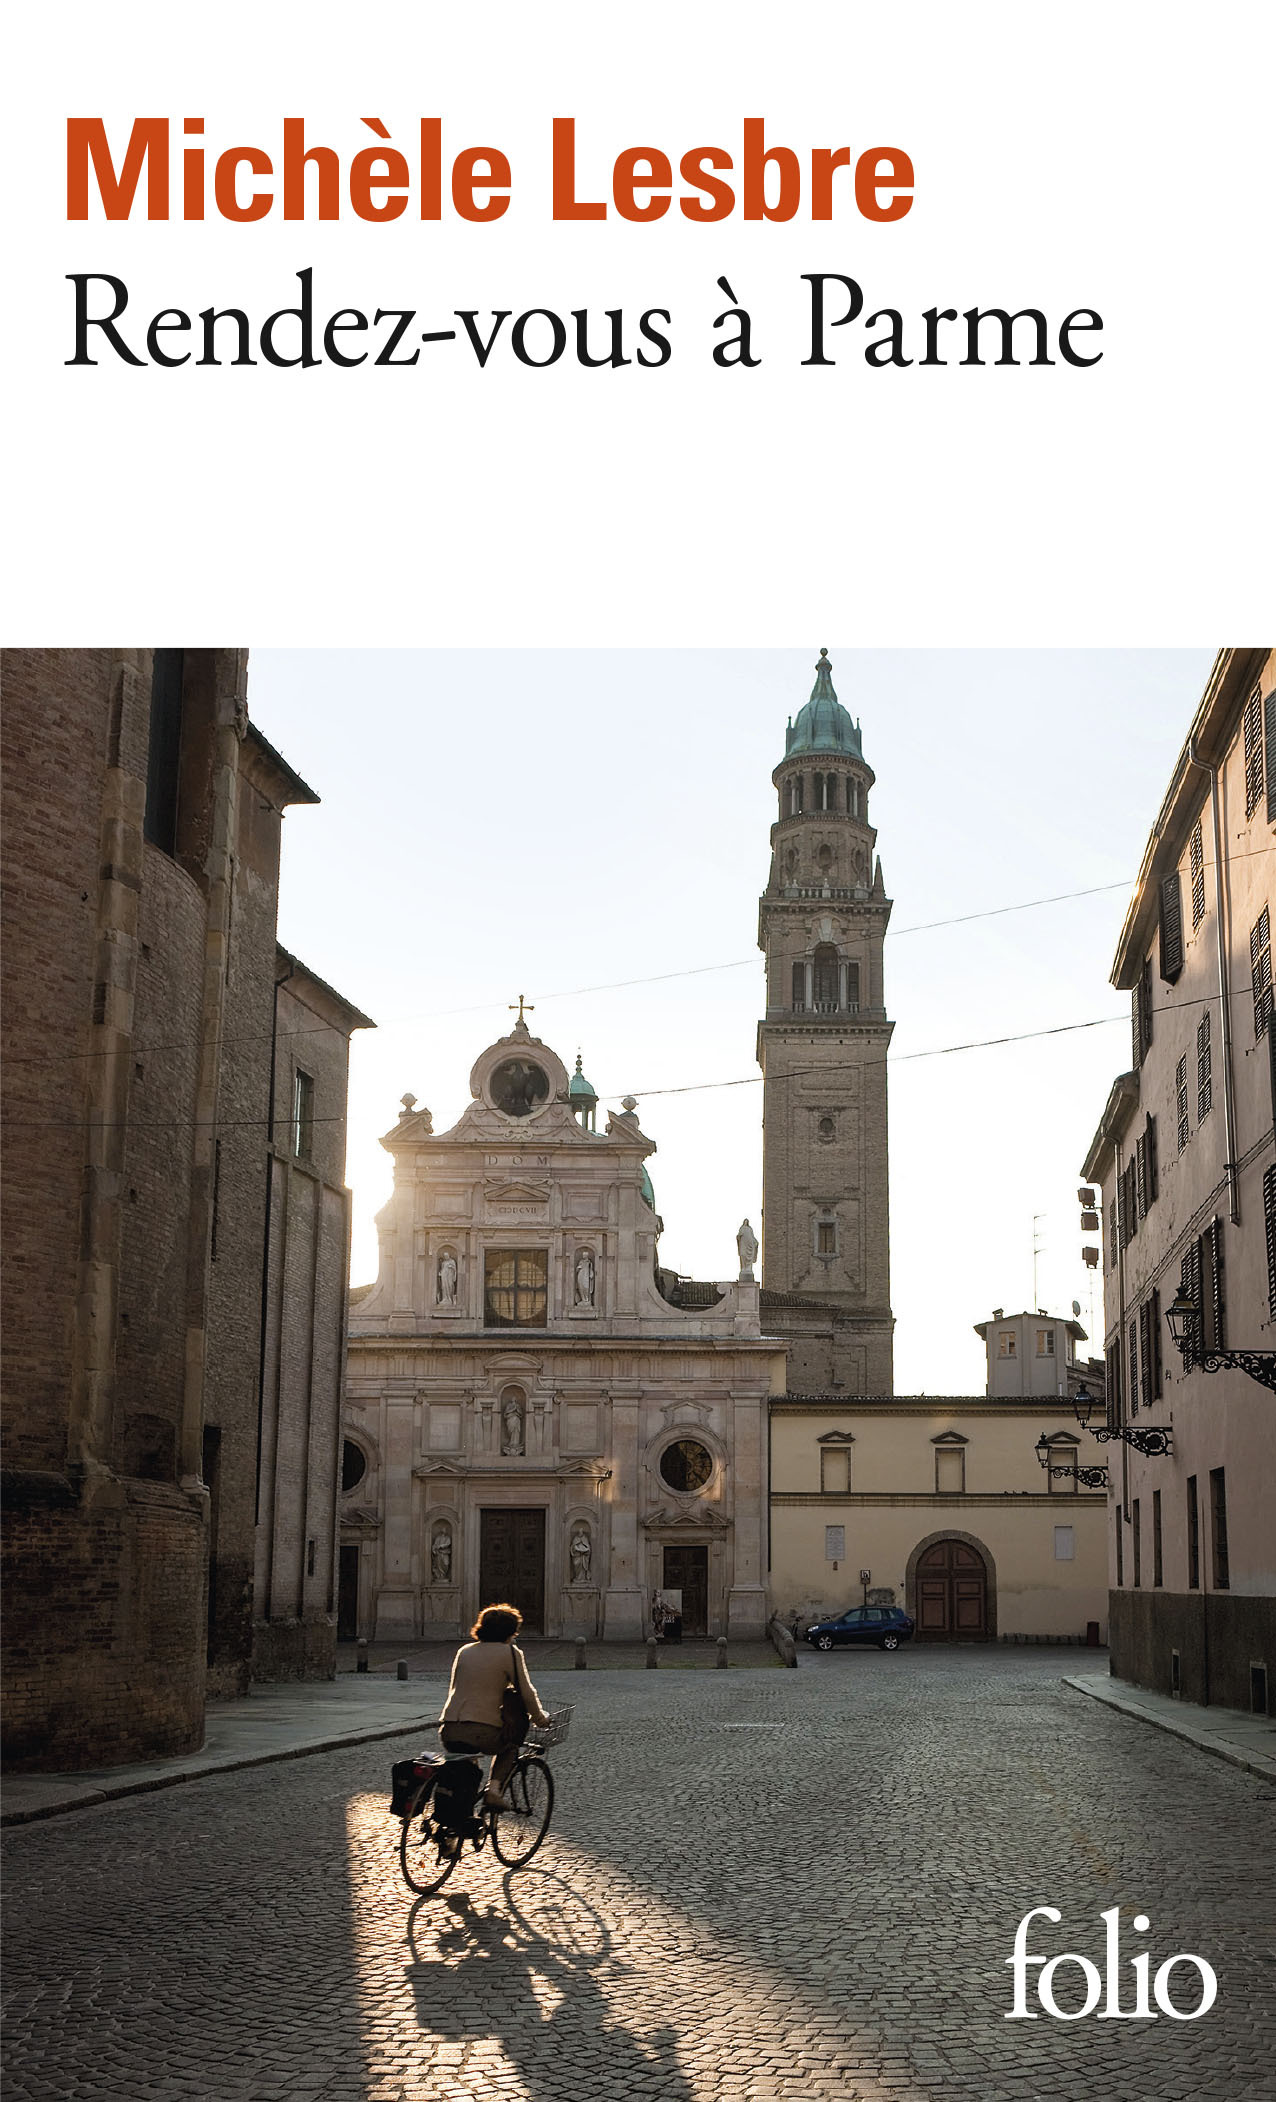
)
(353, 1465)
(825, 1128)
(686, 1465)
(518, 1085)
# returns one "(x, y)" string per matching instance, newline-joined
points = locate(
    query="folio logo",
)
(1107, 1987)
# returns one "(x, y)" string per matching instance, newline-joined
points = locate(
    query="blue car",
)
(887, 1626)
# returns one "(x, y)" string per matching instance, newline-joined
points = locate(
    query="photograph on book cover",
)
(762, 1163)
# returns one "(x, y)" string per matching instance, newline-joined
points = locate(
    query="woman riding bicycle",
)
(476, 1716)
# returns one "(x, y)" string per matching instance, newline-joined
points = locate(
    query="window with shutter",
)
(1113, 1385)
(1134, 1366)
(1141, 1173)
(1212, 1274)
(1136, 1027)
(1149, 1145)
(1123, 1215)
(1190, 1286)
(1171, 928)
(1270, 706)
(1253, 752)
(1113, 1240)
(1180, 1102)
(1145, 1348)
(1204, 1063)
(1198, 874)
(1260, 966)
(1153, 1393)
(1269, 1221)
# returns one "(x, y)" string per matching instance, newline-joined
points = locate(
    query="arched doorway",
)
(950, 1592)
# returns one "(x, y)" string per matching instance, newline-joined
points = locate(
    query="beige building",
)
(535, 1409)
(1186, 1157)
(822, 1048)
(943, 1502)
(1036, 1354)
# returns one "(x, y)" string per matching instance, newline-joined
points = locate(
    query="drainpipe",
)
(266, 1235)
(1224, 995)
(1121, 1352)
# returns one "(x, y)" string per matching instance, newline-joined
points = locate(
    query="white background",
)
(1090, 155)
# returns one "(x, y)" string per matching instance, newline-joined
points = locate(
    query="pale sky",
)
(564, 823)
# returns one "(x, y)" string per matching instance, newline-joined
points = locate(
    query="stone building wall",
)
(1189, 1203)
(142, 820)
(303, 1357)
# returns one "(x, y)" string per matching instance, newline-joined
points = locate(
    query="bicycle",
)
(429, 1848)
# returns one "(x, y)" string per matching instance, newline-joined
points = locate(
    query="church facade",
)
(535, 1410)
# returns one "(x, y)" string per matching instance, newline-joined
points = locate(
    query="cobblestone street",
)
(758, 1884)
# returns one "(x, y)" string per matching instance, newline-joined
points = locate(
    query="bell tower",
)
(822, 1048)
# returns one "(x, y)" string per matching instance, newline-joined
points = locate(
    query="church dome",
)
(823, 725)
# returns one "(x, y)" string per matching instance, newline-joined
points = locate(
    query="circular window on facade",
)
(353, 1465)
(686, 1465)
(518, 1085)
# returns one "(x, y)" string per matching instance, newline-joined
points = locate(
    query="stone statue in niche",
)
(446, 1288)
(441, 1554)
(582, 1552)
(746, 1242)
(511, 1421)
(585, 1278)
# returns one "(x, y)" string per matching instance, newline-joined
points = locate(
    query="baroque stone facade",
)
(822, 1047)
(531, 1413)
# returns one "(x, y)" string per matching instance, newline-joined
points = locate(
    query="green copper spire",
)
(578, 1085)
(823, 725)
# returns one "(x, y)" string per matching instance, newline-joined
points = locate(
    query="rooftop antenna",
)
(1036, 1251)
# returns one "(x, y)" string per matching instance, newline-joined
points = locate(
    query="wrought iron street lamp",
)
(1183, 1316)
(1085, 1477)
(1149, 1439)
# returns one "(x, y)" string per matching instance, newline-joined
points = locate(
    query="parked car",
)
(887, 1626)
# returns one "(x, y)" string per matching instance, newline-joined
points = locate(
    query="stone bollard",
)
(401, 1668)
(652, 1659)
(580, 1653)
(361, 1654)
(720, 1661)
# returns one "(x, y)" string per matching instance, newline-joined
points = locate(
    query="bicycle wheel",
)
(426, 1863)
(518, 1831)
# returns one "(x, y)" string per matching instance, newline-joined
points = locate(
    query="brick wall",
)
(53, 737)
(100, 1602)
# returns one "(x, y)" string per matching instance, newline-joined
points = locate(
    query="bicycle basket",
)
(542, 1735)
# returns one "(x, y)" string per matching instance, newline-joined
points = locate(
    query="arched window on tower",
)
(795, 793)
(826, 976)
(799, 987)
(853, 799)
(853, 987)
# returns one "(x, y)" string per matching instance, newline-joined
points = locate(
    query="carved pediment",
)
(838, 1438)
(950, 1438)
(686, 1412)
(516, 1192)
(664, 1519)
(428, 1467)
(587, 1470)
(361, 1521)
